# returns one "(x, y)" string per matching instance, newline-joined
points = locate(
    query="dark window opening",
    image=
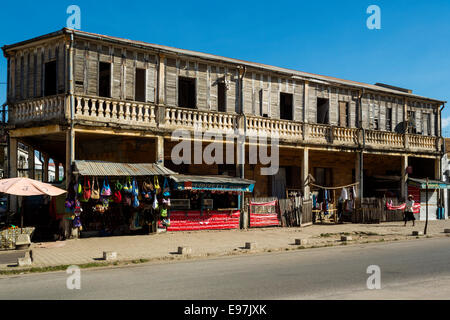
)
(140, 84)
(221, 97)
(428, 124)
(186, 93)
(323, 176)
(50, 78)
(389, 119)
(286, 106)
(323, 114)
(104, 79)
(376, 124)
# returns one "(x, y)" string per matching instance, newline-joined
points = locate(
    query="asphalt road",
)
(416, 269)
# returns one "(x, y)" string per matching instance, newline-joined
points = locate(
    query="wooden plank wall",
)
(261, 89)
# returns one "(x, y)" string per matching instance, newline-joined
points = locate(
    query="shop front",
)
(430, 196)
(205, 202)
(112, 199)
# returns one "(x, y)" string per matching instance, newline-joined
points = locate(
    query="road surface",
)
(415, 269)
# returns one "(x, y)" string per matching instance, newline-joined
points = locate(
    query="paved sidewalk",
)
(163, 246)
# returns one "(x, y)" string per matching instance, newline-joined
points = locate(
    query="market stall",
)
(108, 198)
(427, 197)
(205, 202)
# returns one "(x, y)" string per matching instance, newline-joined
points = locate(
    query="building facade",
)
(74, 95)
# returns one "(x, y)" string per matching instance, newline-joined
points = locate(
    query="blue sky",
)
(328, 37)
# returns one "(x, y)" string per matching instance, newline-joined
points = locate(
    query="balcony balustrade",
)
(140, 114)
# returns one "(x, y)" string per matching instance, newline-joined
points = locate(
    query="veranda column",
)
(12, 168)
(45, 171)
(161, 79)
(404, 179)
(70, 155)
(31, 162)
(159, 150)
(305, 173)
(359, 174)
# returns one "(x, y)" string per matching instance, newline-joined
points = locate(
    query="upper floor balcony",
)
(90, 110)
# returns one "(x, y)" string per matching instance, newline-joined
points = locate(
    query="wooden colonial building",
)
(75, 95)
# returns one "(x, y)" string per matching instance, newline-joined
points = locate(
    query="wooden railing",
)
(40, 109)
(140, 114)
(384, 139)
(193, 119)
(114, 111)
(283, 129)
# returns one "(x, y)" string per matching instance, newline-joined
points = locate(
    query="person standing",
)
(409, 213)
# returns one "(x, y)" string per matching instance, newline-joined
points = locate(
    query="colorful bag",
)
(106, 190)
(86, 190)
(166, 188)
(127, 187)
(79, 189)
(164, 212)
(118, 186)
(135, 202)
(117, 196)
(155, 202)
(134, 189)
(156, 185)
(77, 222)
(95, 192)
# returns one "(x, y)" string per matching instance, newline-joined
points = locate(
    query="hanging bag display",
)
(106, 190)
(134, 189)
(95, 192)
(86, 190)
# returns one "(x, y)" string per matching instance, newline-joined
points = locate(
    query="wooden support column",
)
(305, 173)
(306, 102)
(161, 79)
(31, 163)
(45, 171)
(359, 174)
(159, 150)
(404, 179)
(12, 168)
(70, 155)
(437, 169)
(56, 162)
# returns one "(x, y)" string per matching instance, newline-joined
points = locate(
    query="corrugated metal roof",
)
(102, 168)
(179, 178)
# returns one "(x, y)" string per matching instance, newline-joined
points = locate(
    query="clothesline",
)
(334, 188)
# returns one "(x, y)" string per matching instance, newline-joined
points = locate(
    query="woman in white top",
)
(409, 213)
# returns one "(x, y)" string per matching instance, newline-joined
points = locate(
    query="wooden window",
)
(186, 93)
(104, 80)
(140, 85)
(286, 107)
(389, 119)
(221, 97)
(323, 107)
(344, 114)
(50, 78)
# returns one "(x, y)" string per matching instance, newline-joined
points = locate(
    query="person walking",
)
(409, 213)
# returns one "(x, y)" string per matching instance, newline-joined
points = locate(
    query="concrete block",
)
(417, 233)
(346, 238)
(109, 255)
(184, 250)
(250, 245)
(24, 262)
(301, 242)
(446, 230)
